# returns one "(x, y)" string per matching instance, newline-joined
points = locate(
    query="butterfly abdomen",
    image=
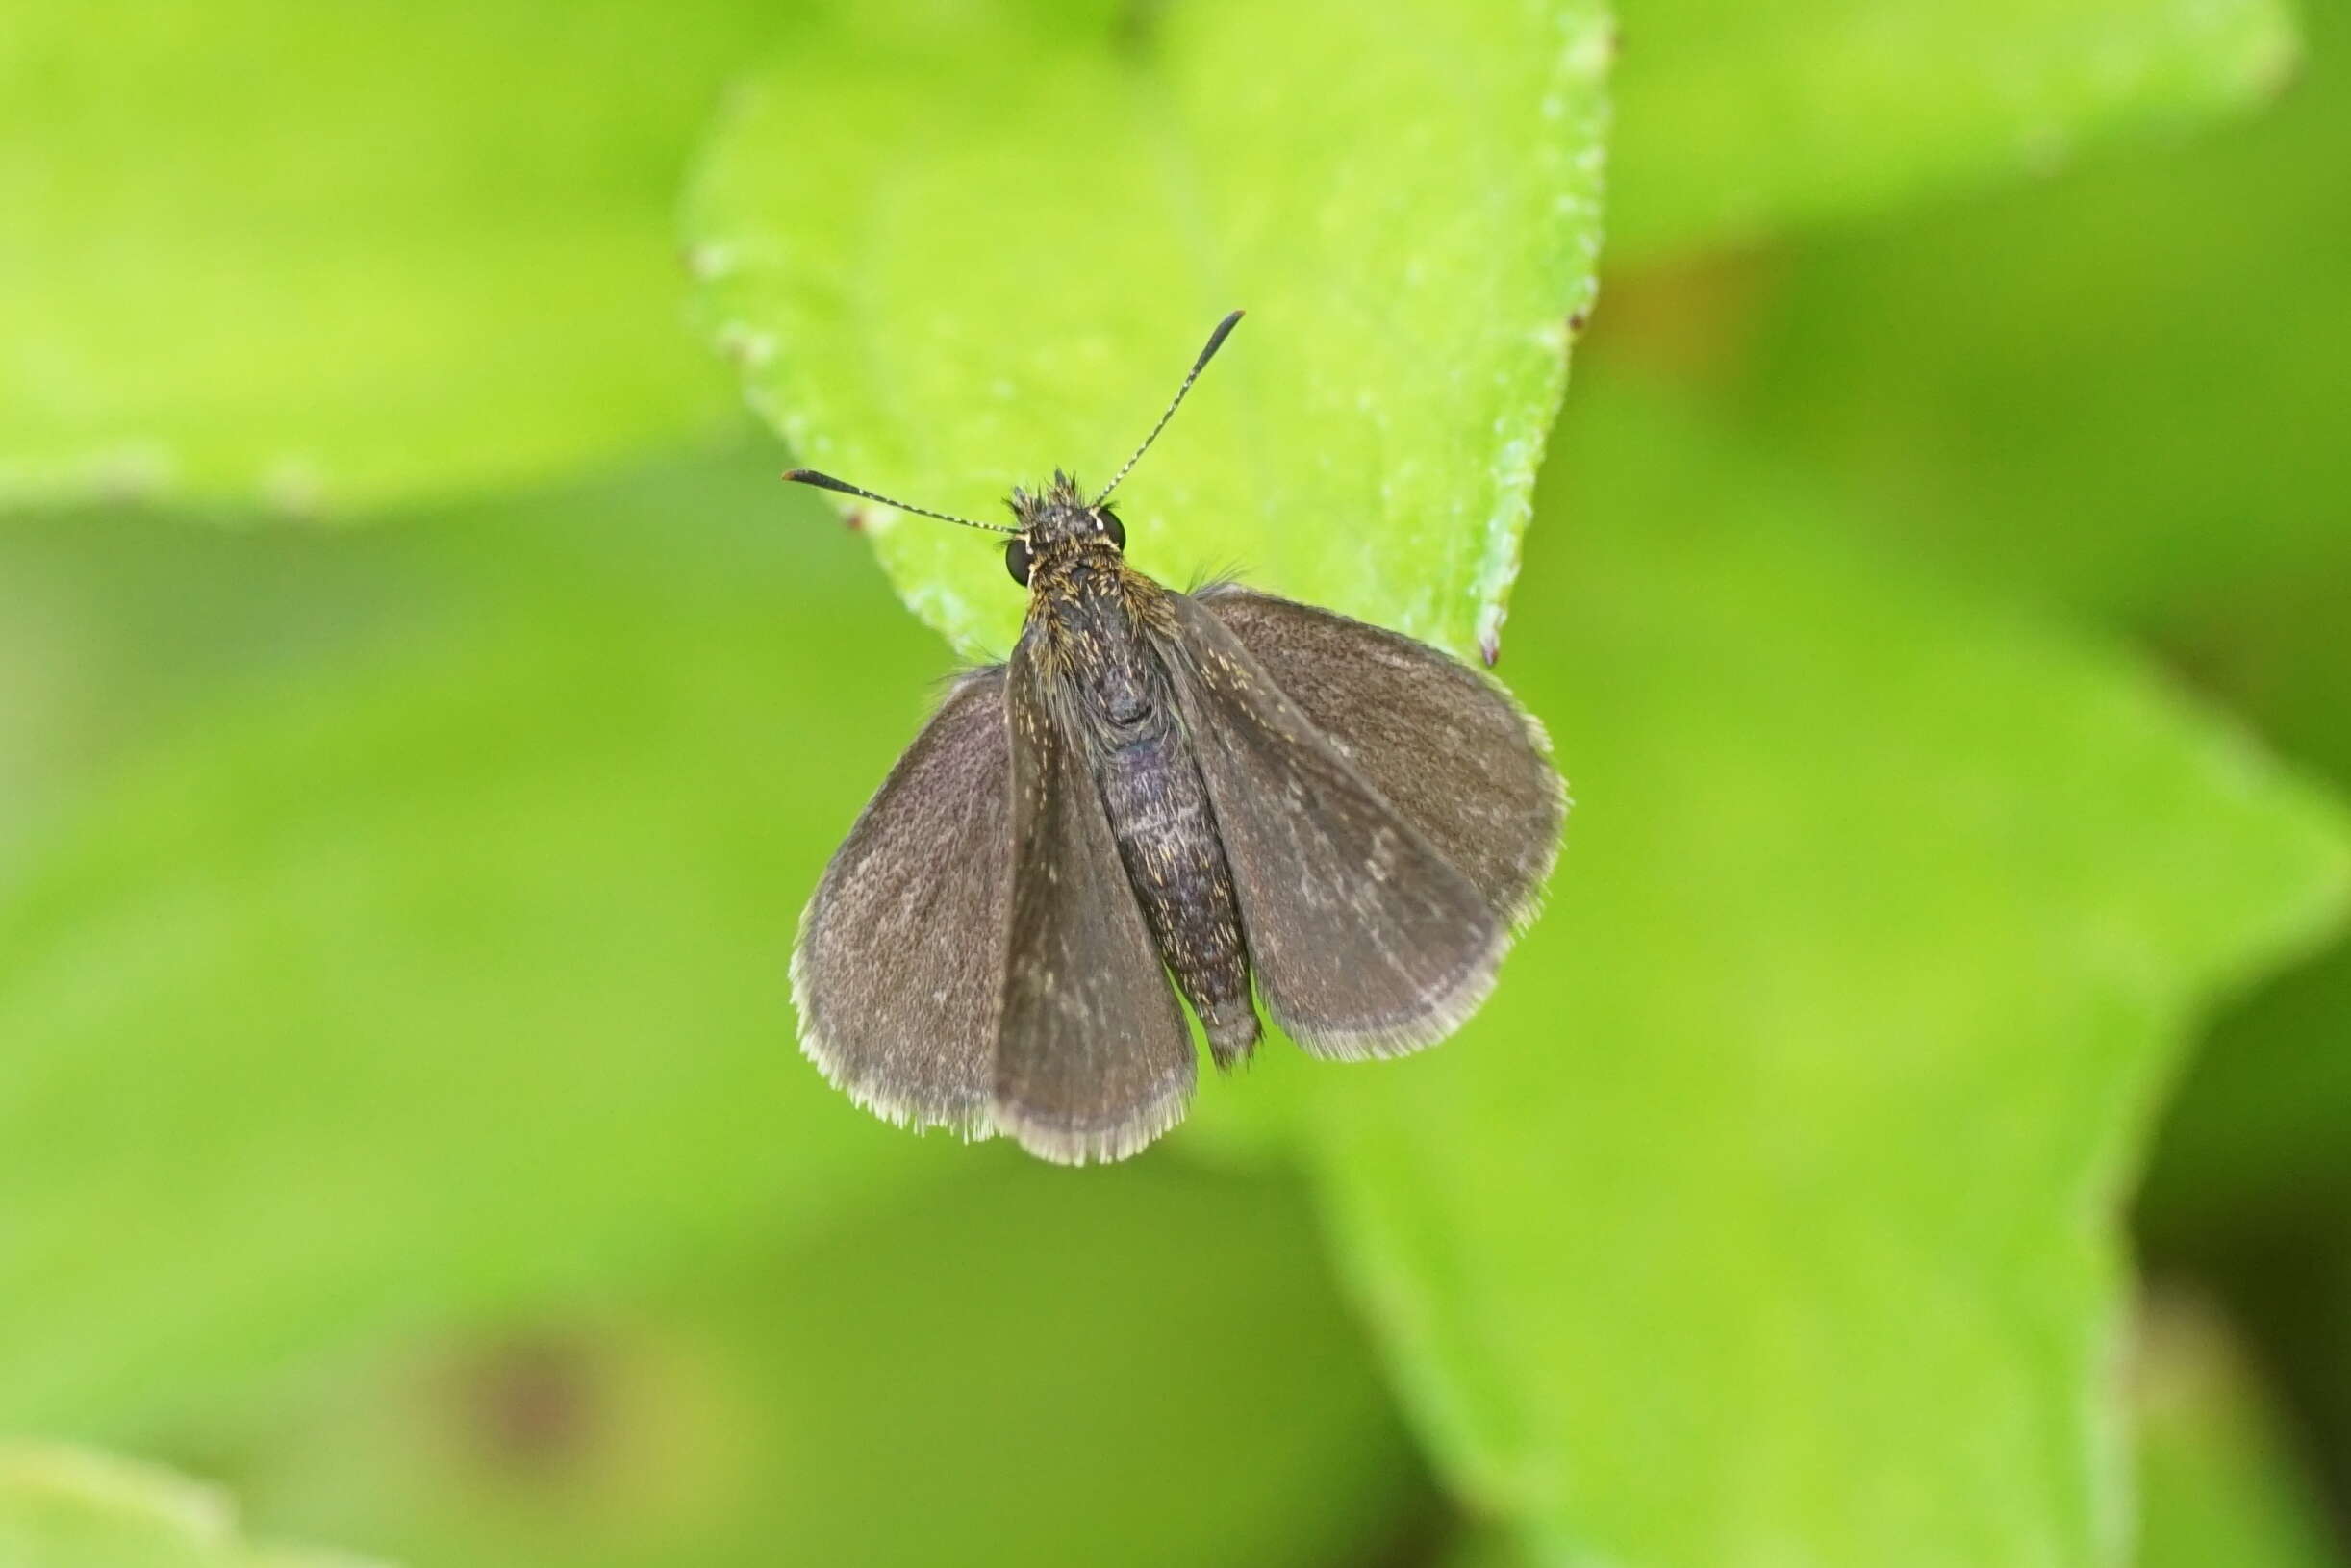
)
(1150, 786)
(1159, 814)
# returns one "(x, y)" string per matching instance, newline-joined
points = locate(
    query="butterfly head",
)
(1058, 521)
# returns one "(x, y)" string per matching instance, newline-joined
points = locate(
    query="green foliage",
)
(2112, 389)
(398, 1115)
(1829, 1225)
(975, 291)
(506, 894)
(817, 1393)
(311, 255)
(1741, 119)
(63, 1507)
(2258, 1128)
(2218, 1485)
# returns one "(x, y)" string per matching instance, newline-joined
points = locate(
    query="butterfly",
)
(1220, 795)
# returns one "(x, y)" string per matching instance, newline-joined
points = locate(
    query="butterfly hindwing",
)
(1094, 1058)
(1365, 941)
(899, 970)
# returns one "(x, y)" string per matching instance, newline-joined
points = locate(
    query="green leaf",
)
(951, 259)
(2255, 1153)
(1767, 1214)
(2119, 389)
(2218, 1484)
(1491, 1547)
(62, 1507)
(1739, 119)
(327, 256)
(1142, 1366)
(2056, 413)
(114, 624)
(448, 968)
(2258, 1144)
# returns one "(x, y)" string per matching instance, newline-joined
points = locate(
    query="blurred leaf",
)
(2258, 1140)
(1767, 1216)
(1139, 1366)
(2260, 1136)
(2250, 1181)
(328, 255)
(2216, 1484)
(2257, 1145)
(1039, 217)
(114, 624)
(1740, 119)
(2289, 1287)
(1488, 1548)
(450, 969)
(2121, 389)
(62, 1507)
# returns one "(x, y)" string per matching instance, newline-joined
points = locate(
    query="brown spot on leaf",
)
(533, 1404)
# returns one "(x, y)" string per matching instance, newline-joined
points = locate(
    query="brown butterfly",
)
(1165, 793)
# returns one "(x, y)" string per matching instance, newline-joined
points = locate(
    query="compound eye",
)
(1016, 560)
(1112, 526)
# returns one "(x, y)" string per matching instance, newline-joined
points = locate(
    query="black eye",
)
(1112, 526)
(1016, 560)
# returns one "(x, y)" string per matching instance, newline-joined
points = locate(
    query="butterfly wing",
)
(899, 970)
(1365, 940)
(1449, 749)
(1093, 1057)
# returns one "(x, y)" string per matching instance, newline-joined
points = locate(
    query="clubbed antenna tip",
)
(1216, 341)
(825, 481)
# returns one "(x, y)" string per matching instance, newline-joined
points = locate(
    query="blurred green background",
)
(1918, 1130)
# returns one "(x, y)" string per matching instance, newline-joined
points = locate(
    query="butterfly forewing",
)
(1365, 941)
(1094, 1058)
(1449, 749)
(898, 970)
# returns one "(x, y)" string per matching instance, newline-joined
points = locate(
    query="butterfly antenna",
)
(1216, 341)
(825, 481)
